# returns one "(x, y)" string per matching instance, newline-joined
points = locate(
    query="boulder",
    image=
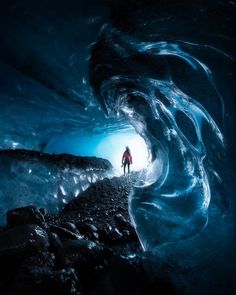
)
(127, 273)
(115, 235)
(121, 221)
(64, 233)
(86, 228)
(41, 281)
(25, 215)
(70, 226)
(55, 242)
(23, 239)
(82, 245)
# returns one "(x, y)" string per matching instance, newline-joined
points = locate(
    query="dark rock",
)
(121, 221)
(89, 219)
(108, 227)
(11, 267)
(92, 227)
(40, 259)
(25, 215)
(64, 233)
(120, 208)
(81, 254)
(133, 233)
(55, 242)
(86, 228)
(103, 234)
(40, 280)
(55, 247)
(24, 239)
(71, 227)
(126, 235)
(127, 273)
(81, 245)
(43, 211)
(94, 236)
(95, 204)
(115, 235)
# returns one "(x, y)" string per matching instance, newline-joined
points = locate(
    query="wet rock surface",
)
(22, 239)
(89, 248)
(102, 210)
(25, 215)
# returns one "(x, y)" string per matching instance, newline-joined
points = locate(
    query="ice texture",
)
(44, 180)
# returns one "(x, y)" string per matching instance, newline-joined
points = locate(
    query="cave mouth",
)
(107, 145)
(50, 177)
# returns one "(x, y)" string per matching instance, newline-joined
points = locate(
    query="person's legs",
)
(128, 167)
(124, 167)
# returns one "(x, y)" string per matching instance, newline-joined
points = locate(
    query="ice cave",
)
(117, 149)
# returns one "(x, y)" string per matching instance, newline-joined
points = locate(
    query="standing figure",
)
(126, 159)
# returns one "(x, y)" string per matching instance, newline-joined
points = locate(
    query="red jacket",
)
(127, 158)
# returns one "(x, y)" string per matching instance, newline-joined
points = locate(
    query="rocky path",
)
(103, 208)
(89, 248)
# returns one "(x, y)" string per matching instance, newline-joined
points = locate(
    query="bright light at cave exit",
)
(107, 146)
(113, 147)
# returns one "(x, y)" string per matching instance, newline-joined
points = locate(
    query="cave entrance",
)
(109, 146)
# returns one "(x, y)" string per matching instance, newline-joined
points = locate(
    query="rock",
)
(81, 245)
(121, 221)
(133, 233)
(55, 242)
(25, 215)
(40, 280)
(120, 208)
(70, 226)
(126, 235)
(115, 235)
(81, 254)
(64, 233)
(89, 219)
(86, 228)
(108, 227)
(43, 211)
(11, 267)
(127, 273)
(23, 239)
(95, 236)
(103, 234)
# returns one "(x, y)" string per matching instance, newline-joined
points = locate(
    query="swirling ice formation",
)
(171, 201)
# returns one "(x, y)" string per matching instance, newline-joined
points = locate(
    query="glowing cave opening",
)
(108, 146)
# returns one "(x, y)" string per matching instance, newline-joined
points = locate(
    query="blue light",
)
(108, 146)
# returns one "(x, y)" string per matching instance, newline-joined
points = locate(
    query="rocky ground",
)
(89, 248)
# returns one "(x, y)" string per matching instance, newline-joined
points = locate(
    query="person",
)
(126, 159)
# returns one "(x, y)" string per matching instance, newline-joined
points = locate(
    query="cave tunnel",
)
(79, 82)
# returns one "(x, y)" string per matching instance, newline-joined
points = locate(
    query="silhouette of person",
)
(126, 159)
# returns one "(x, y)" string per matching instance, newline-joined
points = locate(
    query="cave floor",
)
(91, 247)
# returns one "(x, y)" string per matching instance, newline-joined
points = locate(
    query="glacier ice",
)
(40, 180)
(172, 201)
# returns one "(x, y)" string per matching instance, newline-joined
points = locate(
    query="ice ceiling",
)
(44, 85)
(45, 94)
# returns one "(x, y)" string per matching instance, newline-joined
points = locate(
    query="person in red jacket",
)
(126, 159)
